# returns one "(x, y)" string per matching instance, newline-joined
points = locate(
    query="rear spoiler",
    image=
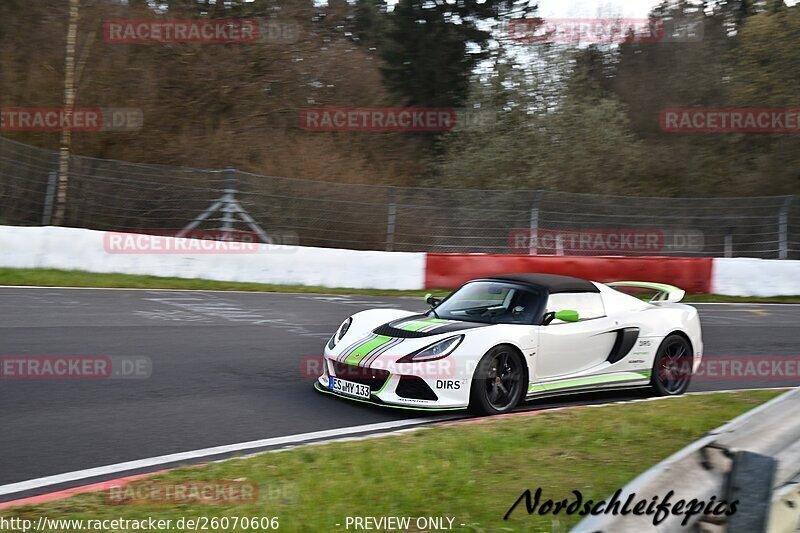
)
(664, 292)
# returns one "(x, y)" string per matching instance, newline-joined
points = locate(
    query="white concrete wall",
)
(741, 276)
(88, 250)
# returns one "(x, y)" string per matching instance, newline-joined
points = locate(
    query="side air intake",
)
(626, 338)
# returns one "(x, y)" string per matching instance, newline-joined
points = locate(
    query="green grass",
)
(78, 278)
(473, 471)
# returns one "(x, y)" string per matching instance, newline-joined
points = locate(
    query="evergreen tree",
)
(432, 48)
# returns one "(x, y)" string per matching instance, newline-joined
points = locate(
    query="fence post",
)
(533, 238)
(228, 202)
(783, 229)
(49, 195)
(391, 220)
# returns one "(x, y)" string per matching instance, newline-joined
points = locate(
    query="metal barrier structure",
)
(754, 459)
(123, 196)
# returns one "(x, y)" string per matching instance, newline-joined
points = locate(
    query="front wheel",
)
(498, 383)
(672, 368)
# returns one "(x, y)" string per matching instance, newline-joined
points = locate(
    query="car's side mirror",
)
(430, 300)
(564, 316)
(567, 315)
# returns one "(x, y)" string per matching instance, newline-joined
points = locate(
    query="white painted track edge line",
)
(205, 452)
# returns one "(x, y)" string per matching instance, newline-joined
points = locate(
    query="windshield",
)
(492, 303)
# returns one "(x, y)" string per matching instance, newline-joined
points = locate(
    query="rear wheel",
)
(498, 383)
(672, 369)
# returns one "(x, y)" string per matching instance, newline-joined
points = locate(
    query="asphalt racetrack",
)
(229, 368)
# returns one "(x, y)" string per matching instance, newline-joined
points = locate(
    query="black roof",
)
(552, 283)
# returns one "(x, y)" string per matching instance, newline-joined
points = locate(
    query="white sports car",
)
(500, 340)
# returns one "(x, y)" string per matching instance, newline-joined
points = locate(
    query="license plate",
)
(349, 388)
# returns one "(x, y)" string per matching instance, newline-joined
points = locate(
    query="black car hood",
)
(417, 326)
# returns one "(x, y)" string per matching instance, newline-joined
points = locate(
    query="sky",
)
(594, 8)
(589, 8)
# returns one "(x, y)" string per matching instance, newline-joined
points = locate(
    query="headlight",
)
(341, 332)
(435, 351)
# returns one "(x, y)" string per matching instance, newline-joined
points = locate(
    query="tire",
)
(497, 390)
(672, 368)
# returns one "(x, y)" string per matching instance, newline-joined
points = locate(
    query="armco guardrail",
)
(754, 458)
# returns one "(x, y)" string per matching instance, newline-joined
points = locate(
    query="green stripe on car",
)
(416, 325)
(591, 380)
(364, 349)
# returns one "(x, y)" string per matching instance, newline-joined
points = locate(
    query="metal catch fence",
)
(122, 196)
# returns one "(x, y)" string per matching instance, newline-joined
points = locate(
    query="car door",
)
(574, 347)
